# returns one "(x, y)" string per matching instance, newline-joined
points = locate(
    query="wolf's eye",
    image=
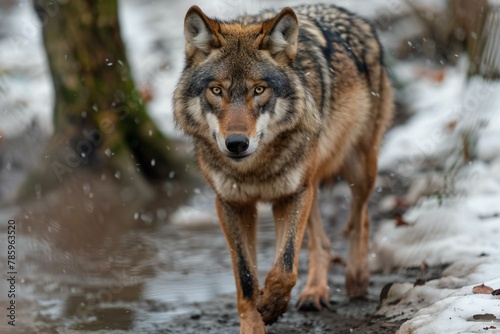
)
(216, 90)
(259, 90)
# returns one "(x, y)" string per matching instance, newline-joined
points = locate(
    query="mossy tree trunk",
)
(100, 121)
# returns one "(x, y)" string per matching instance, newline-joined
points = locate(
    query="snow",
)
(447, 305)
(453, 315)
(435, 235)
(460, 222)
(23, 68)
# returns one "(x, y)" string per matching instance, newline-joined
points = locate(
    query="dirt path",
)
(348, 316)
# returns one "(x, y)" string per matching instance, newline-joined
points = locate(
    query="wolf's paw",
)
(356, 280)
(314, 299)
(272, 305)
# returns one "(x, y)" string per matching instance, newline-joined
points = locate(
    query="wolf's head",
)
(238, 89)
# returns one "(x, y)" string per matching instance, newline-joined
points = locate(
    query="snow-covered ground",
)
(454, 206)
(454, 214)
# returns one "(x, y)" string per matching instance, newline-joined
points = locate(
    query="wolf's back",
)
(349, 40)
(341, 59)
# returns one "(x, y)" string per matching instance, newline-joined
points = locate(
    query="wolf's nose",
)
(237, 143)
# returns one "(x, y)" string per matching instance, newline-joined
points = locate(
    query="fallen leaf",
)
(400, 222)
(436, 76)
(482, 289)
(450, 126)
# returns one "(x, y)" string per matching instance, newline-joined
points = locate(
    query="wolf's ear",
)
(281, 35)
(201, 33)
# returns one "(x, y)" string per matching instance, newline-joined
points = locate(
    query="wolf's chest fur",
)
(251, 189)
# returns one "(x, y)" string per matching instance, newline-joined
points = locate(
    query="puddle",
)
(106, 268)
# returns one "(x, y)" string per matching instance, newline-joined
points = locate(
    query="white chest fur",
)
(241, 190)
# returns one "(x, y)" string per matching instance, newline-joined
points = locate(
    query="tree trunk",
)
(100, 121)
(475, 25)
(488, 64)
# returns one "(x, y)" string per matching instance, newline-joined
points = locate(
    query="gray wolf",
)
(278, 105)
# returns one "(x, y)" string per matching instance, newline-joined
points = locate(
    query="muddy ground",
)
(347, 316)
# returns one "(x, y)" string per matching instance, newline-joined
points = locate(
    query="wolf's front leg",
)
(239, 223)
(292, 212)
